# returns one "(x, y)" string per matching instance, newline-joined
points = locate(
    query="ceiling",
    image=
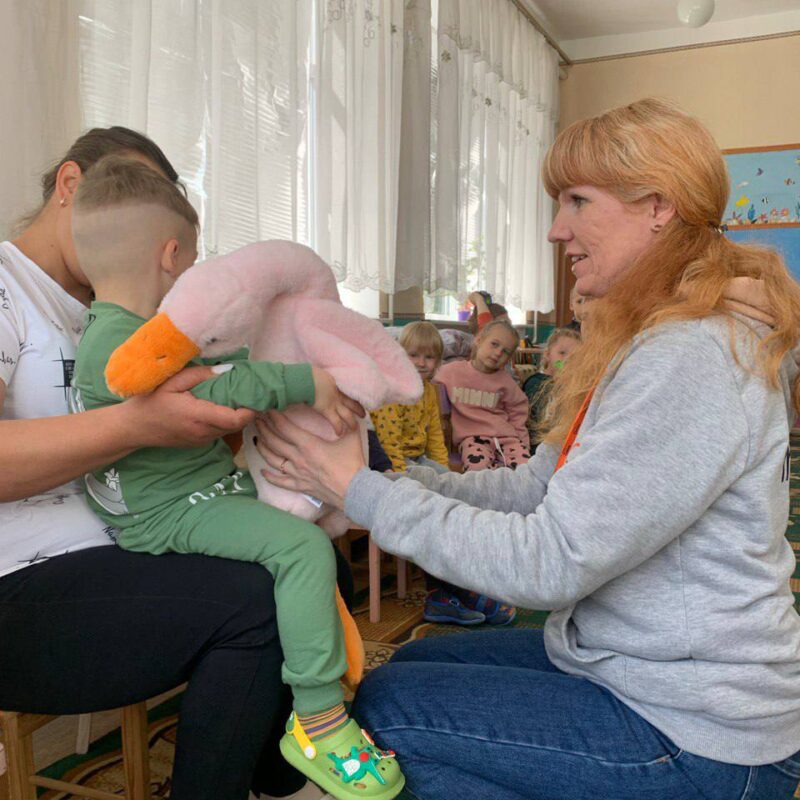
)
(587, 29)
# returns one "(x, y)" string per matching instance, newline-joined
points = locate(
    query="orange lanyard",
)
(573, 431)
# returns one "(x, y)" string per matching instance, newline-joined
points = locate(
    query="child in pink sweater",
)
(489, 410)
(488, 415)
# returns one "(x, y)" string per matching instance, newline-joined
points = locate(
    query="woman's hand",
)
(172, 416)
(306, 463)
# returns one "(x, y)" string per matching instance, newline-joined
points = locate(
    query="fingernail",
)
(219, 369)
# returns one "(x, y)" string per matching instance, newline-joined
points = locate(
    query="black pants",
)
(103, 627)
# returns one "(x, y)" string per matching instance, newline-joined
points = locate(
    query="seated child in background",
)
(489, 410)
(412, 434)
(488, 413)
(458, 343)
(558, 348)
(135, 234)
(577, 305)
(483, 312)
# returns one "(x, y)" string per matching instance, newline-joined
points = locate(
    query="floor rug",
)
(101, 767)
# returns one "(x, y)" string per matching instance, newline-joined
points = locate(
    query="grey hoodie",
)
(660, 545)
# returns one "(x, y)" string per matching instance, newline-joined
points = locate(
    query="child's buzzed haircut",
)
(119, 180)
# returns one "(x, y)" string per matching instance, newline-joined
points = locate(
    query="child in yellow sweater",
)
(413, 434)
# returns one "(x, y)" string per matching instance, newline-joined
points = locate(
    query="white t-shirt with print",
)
(40, 325)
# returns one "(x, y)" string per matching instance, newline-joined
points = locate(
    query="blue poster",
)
(764, 204)
(765, 187)
(784, 239)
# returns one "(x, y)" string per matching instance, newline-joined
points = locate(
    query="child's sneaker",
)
(445, 608)
(346, 764)
(495, 613)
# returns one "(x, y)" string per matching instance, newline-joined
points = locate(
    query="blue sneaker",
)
(495, 612)
(446, 609)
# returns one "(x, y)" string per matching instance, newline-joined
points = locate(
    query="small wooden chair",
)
(454, 457)
(17, 731)
(356, 532)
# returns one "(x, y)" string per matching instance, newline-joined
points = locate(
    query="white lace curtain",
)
(357, 84)
(38, 96)
(222, 88)
(312, 120)
(495, 111)
(283, 117)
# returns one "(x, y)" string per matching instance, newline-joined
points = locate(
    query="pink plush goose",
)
(280, 299)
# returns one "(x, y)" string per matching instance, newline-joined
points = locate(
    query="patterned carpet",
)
(401, 621)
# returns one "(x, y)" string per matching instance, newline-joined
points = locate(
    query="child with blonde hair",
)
(489, 410)
(135, 234)
(488, 414)
(412, 434)
(578, 306)
(559, 347)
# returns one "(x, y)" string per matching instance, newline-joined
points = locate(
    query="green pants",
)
(299, 557)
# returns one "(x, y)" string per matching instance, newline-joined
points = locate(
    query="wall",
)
(38, 96)
(745, 92)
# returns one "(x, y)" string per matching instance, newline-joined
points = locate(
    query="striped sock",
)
(324, 723)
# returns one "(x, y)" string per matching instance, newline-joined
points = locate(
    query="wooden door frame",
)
(565, 280)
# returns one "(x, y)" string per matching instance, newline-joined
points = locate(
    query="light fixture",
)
(695, 13)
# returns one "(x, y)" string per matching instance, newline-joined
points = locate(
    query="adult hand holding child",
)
(172, 416)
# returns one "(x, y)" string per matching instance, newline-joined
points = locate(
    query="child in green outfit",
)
(135, 234)
(558, 348)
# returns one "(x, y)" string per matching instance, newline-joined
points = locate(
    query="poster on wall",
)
(764, 203)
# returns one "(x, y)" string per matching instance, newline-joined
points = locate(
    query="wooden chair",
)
(17, 731)
(356, 532)
(454, 457)
(528, 355)
(3, 774)
(344, 542)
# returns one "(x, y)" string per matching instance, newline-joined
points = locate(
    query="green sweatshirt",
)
(140, 486)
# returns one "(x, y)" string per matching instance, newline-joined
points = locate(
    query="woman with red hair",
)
(651, 522)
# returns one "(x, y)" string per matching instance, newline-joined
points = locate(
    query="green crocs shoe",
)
(347, 764)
